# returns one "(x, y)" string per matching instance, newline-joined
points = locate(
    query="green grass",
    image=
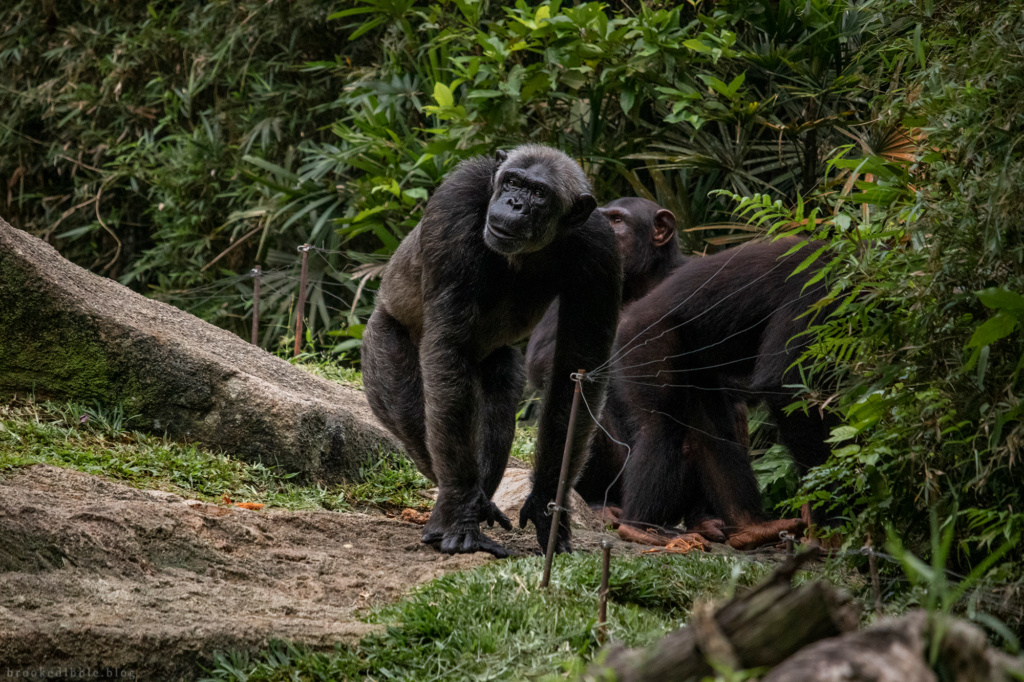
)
(390, 482)
(525, 443)
(495, 623)
(96, 440)
(329, 369)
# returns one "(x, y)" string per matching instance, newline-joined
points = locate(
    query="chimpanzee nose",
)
(515, 204)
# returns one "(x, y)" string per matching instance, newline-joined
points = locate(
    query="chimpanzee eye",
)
(511, 182)
(538, 193)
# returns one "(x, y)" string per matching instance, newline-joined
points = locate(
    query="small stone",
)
(516, 485)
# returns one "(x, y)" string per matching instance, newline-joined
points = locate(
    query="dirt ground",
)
(141, 584)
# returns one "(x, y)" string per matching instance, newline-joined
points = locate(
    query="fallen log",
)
(757, 629)
(899, 650)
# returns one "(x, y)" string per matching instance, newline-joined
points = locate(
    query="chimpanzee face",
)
(624, 224)
(644, 232)
(525, 211)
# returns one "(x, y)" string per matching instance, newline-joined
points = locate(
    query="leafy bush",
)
(124, 127)
(927, 266)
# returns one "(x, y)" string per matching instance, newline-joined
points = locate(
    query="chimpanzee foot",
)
(641, 537)
(537, 511)
(754, 535)
(454, 524)
(610, 516)
(710, 529)
(677, 543)
(469, 540)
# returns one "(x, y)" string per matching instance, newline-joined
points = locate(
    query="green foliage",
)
(175, 145)
(942, 593)
(495, 623)
(326, 368)
(125, 125)
(923, 356)
(524, 444)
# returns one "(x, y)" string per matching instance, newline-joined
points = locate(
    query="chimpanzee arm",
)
(587, 314)
(450, 384)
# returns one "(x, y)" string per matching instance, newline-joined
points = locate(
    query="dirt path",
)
(96, 574)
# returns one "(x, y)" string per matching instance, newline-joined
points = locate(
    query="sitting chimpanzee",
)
(499, 241)
(645, 235)
(646, 238)
(720, 328)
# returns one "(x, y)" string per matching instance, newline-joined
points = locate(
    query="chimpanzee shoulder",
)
(465, 192)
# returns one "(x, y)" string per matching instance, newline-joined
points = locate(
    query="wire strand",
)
(613, 370)
(698, 315)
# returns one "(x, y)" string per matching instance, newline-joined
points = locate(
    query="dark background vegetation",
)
(174, 145)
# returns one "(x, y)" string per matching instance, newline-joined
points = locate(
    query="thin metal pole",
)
(876, 584)
(562, 475)
(300, 310)
(787, 537)
(256, 273)
(602, 613)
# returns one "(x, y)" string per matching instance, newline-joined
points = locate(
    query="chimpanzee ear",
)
(500, 156)
(581, 209)
(664, 229)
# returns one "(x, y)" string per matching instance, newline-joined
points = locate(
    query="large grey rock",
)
(67, 333)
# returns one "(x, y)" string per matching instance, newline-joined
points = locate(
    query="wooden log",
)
(757, 629)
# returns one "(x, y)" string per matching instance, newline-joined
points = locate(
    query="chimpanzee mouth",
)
(501, 241)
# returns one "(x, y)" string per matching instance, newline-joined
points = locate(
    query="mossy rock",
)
(70, 334)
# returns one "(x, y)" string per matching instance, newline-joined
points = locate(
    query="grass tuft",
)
(328, 368)
(391, 482)
(96, 440)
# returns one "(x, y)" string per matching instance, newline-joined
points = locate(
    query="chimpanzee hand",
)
(491, 514)
(537, 511)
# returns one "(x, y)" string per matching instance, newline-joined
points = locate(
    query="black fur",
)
(499, 240)
(645, 234)
(720, 329)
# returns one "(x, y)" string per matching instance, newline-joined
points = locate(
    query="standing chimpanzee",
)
(499, 240)
(721, 328)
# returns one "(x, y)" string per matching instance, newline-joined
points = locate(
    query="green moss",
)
(45, 350)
